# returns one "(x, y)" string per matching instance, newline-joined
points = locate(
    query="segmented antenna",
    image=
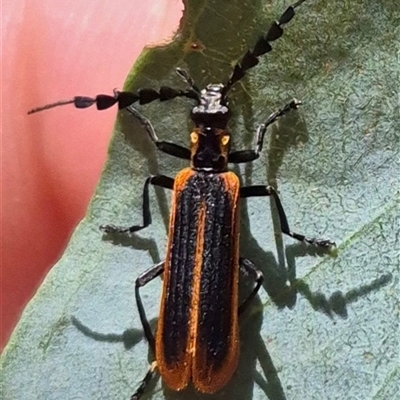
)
(144, 96)
(262, 46)
(123, 99)
(188, 79)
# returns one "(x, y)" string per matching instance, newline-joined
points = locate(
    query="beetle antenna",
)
(124, 99)
(189, 80)
(58, 103)
(262, 46)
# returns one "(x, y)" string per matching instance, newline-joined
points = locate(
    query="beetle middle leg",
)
(156, 180)
(263, 190)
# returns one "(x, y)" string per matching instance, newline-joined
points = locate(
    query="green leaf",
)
(336, 165)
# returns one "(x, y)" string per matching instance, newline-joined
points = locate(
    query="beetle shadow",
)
(129, 338)
(240, 387)
(281, 284)
(252, 345)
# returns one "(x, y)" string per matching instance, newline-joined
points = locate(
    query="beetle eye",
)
(225, 140)
(194, 137)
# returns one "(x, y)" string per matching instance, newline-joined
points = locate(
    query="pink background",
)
(51, 161)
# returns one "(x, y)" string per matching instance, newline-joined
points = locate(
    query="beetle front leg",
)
(245, 156)
(170, 148)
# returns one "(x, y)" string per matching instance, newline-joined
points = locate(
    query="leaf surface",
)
(336, 166)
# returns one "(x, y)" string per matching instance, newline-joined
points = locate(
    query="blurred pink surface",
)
(51, 161)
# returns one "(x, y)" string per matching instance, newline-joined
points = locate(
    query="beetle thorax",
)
(212, 110)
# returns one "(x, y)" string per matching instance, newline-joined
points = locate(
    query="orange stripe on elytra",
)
(181, 180)
(194, 306)
(177, 377)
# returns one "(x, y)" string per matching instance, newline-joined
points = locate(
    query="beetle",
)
(197, 337)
